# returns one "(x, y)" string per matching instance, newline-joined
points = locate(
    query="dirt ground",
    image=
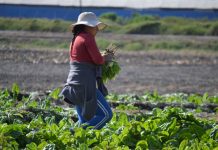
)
(164, 71)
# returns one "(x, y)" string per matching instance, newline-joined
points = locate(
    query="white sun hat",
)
(89, 19)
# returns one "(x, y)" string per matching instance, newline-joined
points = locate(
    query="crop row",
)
(29, 123)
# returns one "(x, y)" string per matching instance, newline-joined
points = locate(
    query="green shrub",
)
(143, 28)
(134, 46)
(184, 26)
(179, 45)
(169, 45)
(110, 16)
(193, 30)
(176, 21)
(34, 24)
(4, 23)
(113, 18)
(137, 18)
(56, 26)
(213, 29)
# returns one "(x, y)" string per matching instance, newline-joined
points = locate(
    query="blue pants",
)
(102, 116)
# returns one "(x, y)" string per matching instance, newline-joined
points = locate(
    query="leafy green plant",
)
(110, 70)
(46, 126)
(170, 98)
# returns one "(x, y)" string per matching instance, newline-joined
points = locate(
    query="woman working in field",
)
(85, 58)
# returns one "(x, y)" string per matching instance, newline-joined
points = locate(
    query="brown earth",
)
(164, 71)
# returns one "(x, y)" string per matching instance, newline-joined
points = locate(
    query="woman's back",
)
(84, 49)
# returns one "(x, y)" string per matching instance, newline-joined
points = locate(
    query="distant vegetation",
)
(163, 44)
(137, 24)
(127, 45)
(34, 24)
(142, 24)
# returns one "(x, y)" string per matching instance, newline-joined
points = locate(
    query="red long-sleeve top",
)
(84, 49)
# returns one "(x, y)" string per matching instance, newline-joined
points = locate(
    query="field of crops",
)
(183, 120)
(33, 121)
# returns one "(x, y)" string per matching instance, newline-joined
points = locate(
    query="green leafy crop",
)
(38, 123)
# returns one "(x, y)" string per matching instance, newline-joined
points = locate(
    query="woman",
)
(85, 59)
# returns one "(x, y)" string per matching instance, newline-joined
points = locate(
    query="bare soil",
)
(164, 71)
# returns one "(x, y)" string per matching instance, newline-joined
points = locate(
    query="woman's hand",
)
(108, 57)
(109, 52)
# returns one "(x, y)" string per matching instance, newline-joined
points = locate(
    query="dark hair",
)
(77, 30)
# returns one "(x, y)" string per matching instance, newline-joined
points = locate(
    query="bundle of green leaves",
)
(111, 68)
